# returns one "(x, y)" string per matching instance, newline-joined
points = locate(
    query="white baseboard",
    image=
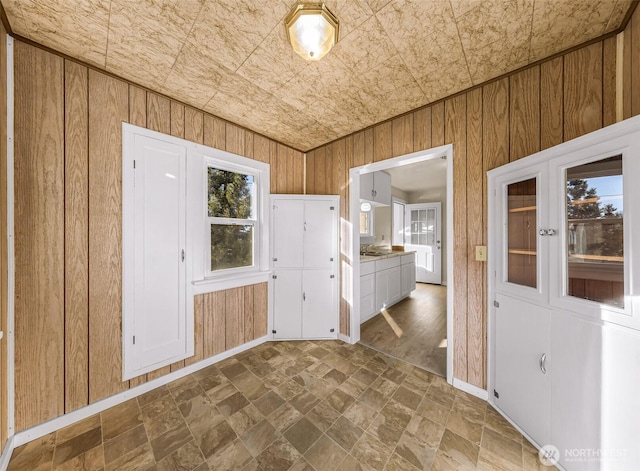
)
(67, 419)
(471, 389)
(6, 454)
(344, 338)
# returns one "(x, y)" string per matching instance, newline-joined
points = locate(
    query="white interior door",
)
(287, 304)
(154, 306)
(288, 233)
(423, 234)
(318, 304)
(319, 233)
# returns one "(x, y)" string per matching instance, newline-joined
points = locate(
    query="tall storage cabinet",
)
(305, 266)
(564, 315)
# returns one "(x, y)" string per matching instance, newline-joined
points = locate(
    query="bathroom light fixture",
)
(365, 207)
(312, 30)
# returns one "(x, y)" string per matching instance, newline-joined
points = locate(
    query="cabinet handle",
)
(372, 193)
(182, 255)
(542, 362)
(542, 232)
(551, 232)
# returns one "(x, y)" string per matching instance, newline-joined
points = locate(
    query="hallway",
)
(413, 330)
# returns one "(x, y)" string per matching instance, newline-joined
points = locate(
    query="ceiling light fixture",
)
(312, 30)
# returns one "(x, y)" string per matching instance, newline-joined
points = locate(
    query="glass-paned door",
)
(522, 234)
(423, 236)
(594, 232)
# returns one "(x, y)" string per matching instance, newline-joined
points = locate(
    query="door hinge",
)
(274, 276)
(332, 330)
(331, 259)
(134, 339)
(495, 393)
(331, 208)
(273, 331)
(275, 259)
(332, 276)
(496, 304)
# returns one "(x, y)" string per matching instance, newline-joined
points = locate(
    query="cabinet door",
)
(382, 289)
(319, 313)
(287, 304)
(382, 188)
(408, 277)
(395, 285)
(288, 233)
(522, 389)
(367, 307)
(320, 234)
(366, 186)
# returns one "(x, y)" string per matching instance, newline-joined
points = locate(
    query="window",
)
(366, 223)
(232, 228)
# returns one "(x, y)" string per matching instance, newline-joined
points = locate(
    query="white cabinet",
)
(564, 319)
(305, 266)
(384, 282)
(376, 187)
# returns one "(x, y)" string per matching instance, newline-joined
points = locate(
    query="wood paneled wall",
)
(489, 126)
(68, 183)
(4, 270)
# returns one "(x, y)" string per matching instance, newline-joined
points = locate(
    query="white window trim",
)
(203, 280)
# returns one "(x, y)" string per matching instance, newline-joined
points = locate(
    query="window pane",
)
(522, 233)
(231, 246)
(364, 223)
(595, 244)
(230, 194)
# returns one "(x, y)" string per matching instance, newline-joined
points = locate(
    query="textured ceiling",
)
(231, 57)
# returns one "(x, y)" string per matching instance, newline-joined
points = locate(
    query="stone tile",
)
(349, 463)
(168, 442)
(250, 385)
(318, 352)
(152, 396)
(185, 388)
(500, 445)
(158, 407)
(433, 411)
(302, 434)
(428, 432)
(340, 400)
(490, 461)
(371, 452)
(91, 460)
(220, 393)
(336, 377)
(233, 456)
(319, 369)
(232, 404)
(365, 376)
(415, 452)
(210, 379)
(278, 456)
(302, 465)
(209, 417)
(386, 431)
(257, 438)
(325, 454)
(398, 463)
(261, 370)
(416, 384)
(373, 399)
(304, 402)
(289, 389)
(407, 398)
(384, 386)
(269, 402)
(323, 389)
(120, 419)
(35, 455)
(353, 387)
(233, 370)
(460, 449)
(323, 416)
(138, 458)
(360, 414)
(397, 413)
(377, 366)
(345, 433)
(160, 424)
(195, 406)
(499, 424)
(395, 375)
(186, 457)
(77, 445)
(443, 462)
(284, 417)
(213, 439)
(470, 407)
(124, 443)
(442, 394)
(466, 428)
(77, 429)
(244, 419)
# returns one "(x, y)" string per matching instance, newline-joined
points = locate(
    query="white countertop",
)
(373, 258)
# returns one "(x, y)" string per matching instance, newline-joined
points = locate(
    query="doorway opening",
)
(416, 326)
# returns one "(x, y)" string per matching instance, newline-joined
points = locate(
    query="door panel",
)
(159, 311)
(319, 307)
(288, 233)
(287, 302)
(395, 284)
(423, 234)
(522, 337)
(319, 234)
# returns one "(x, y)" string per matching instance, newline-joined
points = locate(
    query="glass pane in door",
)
(522, 233)
(594, 232)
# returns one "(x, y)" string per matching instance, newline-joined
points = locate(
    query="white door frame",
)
(353, 249)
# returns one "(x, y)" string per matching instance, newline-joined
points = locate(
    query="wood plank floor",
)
(413, 330)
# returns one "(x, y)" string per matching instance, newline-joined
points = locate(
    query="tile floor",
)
(291, 405)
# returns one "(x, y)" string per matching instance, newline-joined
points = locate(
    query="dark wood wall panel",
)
(39, 236)
(505, 119)
(68, 231)
(76, 267)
